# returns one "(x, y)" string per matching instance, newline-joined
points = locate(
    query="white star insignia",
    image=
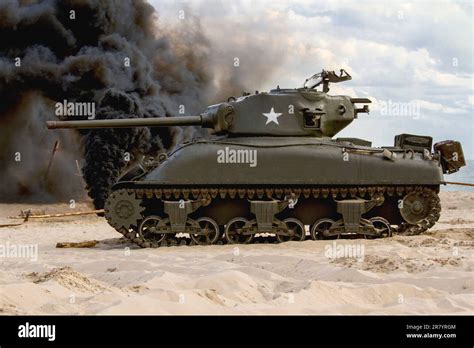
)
(272, 116)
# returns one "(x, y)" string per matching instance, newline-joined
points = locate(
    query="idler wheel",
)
(296, 231)
(148, 230)
(415, 207)
(234, 231)
(210, 232)
(320, 229)
(123, 209)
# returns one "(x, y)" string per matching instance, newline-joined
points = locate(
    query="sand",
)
(428, 274)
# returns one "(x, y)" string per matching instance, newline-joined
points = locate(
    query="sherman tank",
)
(273, 170)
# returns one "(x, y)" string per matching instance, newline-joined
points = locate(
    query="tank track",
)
(364, 192)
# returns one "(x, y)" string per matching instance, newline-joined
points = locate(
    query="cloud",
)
(404, 52)
(430, 106)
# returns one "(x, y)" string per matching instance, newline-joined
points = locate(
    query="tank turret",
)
(281, 112)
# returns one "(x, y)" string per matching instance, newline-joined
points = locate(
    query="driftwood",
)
(85, 244)
(46, 216)
(25, 215)
(25, 218)
(13, 224)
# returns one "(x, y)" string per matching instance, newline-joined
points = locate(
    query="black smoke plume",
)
(81, 56)
(76, 50)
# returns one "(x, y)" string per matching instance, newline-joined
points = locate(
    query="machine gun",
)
(325, 77)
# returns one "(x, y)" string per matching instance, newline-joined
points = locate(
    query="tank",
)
(273, 171)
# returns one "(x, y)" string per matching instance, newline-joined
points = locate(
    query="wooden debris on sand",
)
(28, 214)
(85, 244)
(25, 218)
(45, 216)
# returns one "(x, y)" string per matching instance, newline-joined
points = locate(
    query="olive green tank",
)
(273, 171)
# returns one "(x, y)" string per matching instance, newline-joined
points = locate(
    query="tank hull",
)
(246, 187)
(298, 161)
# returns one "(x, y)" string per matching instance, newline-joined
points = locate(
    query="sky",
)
(414, 60)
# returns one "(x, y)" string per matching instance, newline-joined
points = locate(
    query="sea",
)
(465, 174)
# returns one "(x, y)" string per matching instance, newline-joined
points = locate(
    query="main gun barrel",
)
(201, 120)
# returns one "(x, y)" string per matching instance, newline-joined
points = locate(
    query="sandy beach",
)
(427, 274)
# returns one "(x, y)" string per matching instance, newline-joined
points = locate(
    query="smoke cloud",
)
(79, 50)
